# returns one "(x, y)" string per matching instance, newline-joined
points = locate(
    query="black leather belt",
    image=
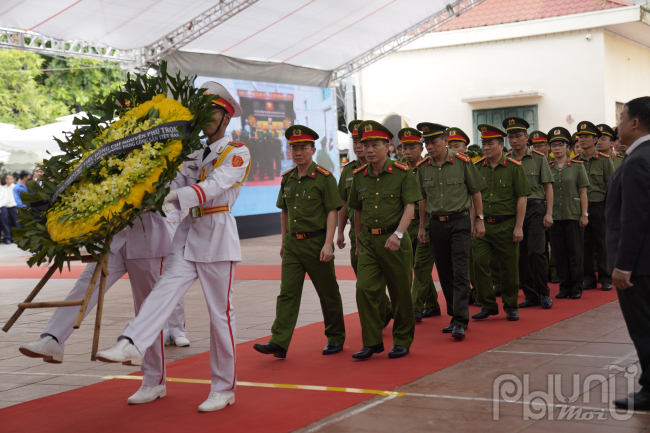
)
(381, 231)
(453, 216)
(595, 203)
(495, 220)
(308, 235)
(533, 202)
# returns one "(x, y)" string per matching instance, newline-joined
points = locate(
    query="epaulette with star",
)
(577, 160)
(287, 172)
(422, 161)
(479, 160)
(514, 161)
(604, 154)
(322, 170)
(539, 153)
(401, 166)
(360, 169)
(236, 144)
(463, 157)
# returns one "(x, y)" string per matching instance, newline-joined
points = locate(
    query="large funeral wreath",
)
(97, 188)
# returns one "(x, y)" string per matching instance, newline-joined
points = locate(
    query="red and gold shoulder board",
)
(480, 160)
(603, 154)
(360, 169)
(422, 161)
(322, 170)
(236, 144)
(463, 157)
(539, 153)
(577, 160)
(288, 172)
(401, 166)
(514, 161)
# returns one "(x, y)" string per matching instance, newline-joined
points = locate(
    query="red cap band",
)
(374, 135)
(225, 104)
(492, 134)
(301, 138)
(457, 138)
(539, 139)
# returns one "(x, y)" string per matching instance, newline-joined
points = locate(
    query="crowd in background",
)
(11, 185)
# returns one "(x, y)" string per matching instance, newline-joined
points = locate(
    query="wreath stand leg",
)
(101, 272)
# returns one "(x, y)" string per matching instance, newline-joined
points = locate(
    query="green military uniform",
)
(382, 197)
(600, 168)
(448, 189)
(345, 184)
(618, 160)
(307, 200)
(533, 268)
(423, 292)
(566, 233)
(505, 184)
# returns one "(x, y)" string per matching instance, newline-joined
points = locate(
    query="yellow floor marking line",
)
(277, 385)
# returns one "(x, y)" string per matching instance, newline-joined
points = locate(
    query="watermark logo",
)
(508, 388)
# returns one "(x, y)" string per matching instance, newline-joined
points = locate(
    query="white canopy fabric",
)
(317, 34)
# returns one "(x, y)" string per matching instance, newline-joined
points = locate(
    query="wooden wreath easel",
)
(101, 272)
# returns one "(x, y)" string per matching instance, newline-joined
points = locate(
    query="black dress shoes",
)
(561, 296)
(430, 312)
(389, 317)
(458, 332)
(530, 303)
(271, 348)
(332, 348)
(367, 351)
(418, 317)
(448, 330)
(636, 401)
(606, 287)
(497, 293)
(546, 302)
(398, 352)
(589, 286)
(555, 280)
(512, 316)
(485, 313)
(576, 295)
(477, 303)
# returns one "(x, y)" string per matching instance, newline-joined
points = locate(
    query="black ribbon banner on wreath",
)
(161, 133)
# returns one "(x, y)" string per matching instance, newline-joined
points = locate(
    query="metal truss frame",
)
(36, 42)
(407, 36)
(194, 29)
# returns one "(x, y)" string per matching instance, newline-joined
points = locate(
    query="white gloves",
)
(168, 207)
(172, 196)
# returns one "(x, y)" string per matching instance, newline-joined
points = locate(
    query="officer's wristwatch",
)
(480, 217)
(399, 235)
(586, 214)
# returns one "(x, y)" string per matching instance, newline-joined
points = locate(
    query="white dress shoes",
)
(181, 342)
(123, 352)
(148, 393)
(217, 401)
(47, 348)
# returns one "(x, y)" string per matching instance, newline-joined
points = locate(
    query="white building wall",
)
(429, 84)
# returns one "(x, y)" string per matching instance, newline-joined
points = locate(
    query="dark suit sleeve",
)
(635, 210)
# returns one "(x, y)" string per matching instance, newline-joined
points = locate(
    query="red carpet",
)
(242, 272)
(103, 408)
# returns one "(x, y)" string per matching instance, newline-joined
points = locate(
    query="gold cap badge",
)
(600, 128)
(583, 126)
(452, 132)
(483, 129)
(356, 128)
(368, 128)
(407, 133)
(557, 132)
(425, 129)
(536, 136)
(511, 122)
(297, 133)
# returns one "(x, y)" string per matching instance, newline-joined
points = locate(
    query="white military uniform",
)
(141, 254)
(204, 247)
(176, 323)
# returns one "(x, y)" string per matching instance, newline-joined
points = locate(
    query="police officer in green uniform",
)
(599, 168)
(450, 183)
(309, 200)
(607, 144)
(346, 213)
(569, 214)
(383, 194)
(504, 205)
(533, 269)
(424, 292)
(540, 143)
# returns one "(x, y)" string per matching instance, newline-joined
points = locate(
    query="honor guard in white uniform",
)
(175, 333)
(206, 246)
(139, 251)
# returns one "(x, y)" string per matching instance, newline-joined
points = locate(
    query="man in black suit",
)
(627, 214)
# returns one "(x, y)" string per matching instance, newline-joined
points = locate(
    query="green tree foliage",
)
(23, 102)
(30, 97)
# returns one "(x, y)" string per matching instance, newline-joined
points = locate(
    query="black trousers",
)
(595, 243)
(533, 278)
(450, 243)
(567, 244)
(635, 305)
